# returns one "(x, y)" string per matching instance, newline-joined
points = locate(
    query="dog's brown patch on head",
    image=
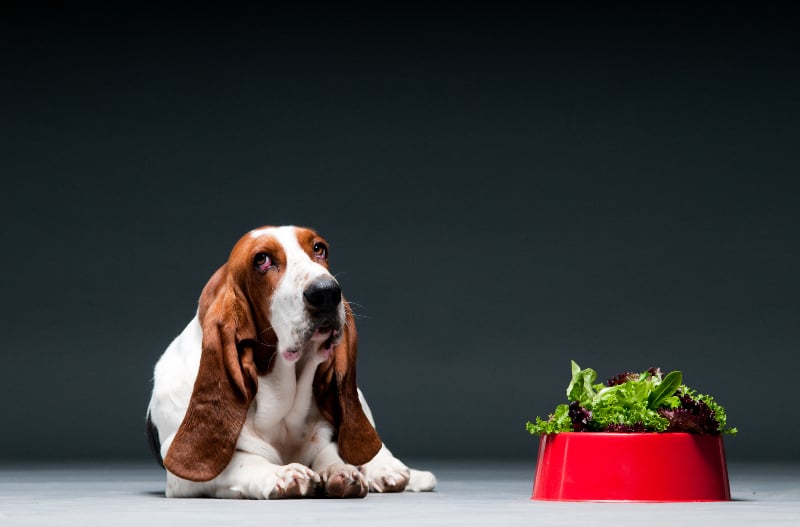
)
(315, 246)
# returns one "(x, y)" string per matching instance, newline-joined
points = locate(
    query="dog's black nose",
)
(323, 294)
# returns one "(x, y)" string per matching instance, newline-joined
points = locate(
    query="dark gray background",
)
(504, 191)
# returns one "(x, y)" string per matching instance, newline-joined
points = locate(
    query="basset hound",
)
(257, 397)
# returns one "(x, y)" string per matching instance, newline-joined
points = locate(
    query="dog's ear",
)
(225, 385)
(336, 393)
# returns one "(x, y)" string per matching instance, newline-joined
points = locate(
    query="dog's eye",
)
(262, 262)
(320, 251)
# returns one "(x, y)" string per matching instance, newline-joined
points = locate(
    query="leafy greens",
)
(633, 402)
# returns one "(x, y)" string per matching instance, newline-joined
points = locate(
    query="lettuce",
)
(633, 402)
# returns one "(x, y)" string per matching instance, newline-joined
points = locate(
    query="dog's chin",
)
(318, 340)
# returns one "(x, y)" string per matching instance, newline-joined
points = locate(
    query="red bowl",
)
(597, 466)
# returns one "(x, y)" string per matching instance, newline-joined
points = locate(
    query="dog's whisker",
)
(353, 305)
(271, 360)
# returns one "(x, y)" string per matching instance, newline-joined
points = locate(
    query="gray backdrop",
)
(504, 191)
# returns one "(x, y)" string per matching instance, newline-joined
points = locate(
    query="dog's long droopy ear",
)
(337, 396)
(224, 388)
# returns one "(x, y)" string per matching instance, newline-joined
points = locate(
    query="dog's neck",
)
(285, 395)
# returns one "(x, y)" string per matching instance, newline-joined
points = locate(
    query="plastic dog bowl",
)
(596, 466)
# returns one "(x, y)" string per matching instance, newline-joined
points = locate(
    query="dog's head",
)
(274, 299)
(297, 304)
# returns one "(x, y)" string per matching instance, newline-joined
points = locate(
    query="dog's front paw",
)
(293, 481)
(386, 475)
(421, 481)
(344, 481)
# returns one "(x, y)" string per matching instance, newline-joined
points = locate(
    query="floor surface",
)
(469, 493)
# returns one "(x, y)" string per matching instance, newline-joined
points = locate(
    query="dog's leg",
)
(386, 473)
(249, 476)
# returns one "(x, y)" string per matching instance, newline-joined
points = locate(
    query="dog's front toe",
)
(344, 481)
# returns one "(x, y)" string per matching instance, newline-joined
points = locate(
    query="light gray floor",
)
(469, 493)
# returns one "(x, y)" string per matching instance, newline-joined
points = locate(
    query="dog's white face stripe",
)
(257, 233)
(287, 309)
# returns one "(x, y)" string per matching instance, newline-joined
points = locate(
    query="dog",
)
(257, 397)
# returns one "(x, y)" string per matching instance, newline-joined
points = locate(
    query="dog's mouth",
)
(329, 335)
(323, 330)
(319, 339)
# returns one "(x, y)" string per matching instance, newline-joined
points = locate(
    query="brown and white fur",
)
(257, 397)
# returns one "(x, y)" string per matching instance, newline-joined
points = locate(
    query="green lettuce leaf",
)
(581, 387)
(558, 421)
(635, 402)
(665, 389)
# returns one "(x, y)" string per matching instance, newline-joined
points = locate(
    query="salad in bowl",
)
(649, 401)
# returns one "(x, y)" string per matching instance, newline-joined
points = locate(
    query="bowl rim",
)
(636, 434)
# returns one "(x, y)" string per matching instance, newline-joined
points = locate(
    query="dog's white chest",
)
(284, 415)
